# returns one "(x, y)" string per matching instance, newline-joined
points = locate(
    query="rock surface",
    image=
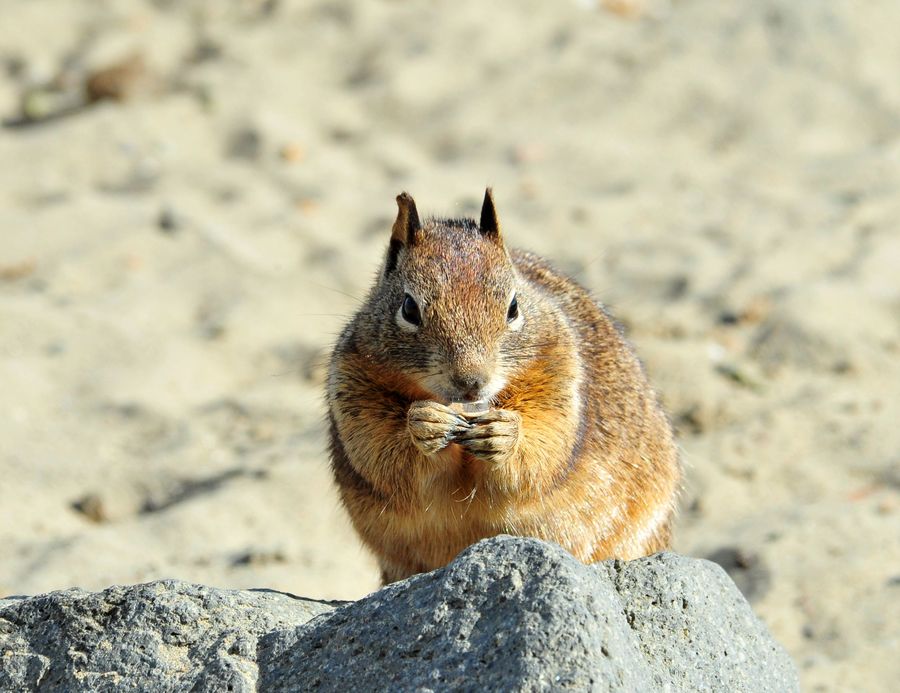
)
(508, 614)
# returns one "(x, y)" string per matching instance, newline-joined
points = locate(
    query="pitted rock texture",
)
(161, 636)
(507, 614)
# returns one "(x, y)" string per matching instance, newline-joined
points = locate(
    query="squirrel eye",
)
(410, 311)
(513, 311)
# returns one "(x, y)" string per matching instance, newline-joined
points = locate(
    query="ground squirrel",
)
(574, 447)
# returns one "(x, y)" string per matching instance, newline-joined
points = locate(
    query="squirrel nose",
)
(469, 384)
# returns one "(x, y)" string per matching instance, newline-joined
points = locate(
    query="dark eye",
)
(513, 311)
(410, 311)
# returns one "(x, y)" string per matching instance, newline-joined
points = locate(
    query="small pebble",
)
(168, 221)
(293, 153)
(729, 317)
(245, 143)
(258, 557)
(119, 81)
(92, 507)
(18, 270)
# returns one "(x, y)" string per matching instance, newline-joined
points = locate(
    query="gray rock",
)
(507, 614)
(694, 628)
(167, 635)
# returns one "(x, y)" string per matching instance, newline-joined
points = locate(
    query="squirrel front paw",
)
(492, 436)
(434, 426)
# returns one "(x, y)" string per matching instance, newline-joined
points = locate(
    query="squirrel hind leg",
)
(392, 572)
(661, 539)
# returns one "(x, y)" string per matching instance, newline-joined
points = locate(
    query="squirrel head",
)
(447, 307)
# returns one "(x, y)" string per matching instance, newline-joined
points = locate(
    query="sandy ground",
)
(175, 265)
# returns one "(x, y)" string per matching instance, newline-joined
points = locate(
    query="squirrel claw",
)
(493, 436)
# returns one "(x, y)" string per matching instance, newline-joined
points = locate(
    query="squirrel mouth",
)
(476, 400)
(471, 408)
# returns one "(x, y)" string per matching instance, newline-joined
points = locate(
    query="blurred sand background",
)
(177, 259)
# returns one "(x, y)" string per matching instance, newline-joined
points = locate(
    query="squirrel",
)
(574, 449)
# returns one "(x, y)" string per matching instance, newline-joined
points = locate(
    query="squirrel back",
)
(574, 447)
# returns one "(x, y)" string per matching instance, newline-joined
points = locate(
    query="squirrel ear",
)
(490, 224)
(407, 225)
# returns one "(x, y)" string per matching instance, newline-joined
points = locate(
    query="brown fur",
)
(575, 449)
